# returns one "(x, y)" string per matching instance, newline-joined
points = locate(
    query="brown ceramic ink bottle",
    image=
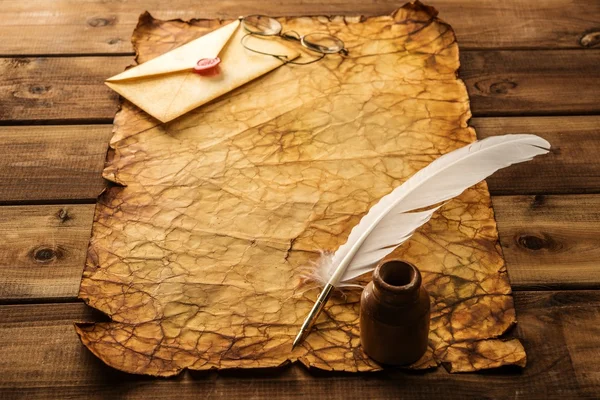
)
(394, 314)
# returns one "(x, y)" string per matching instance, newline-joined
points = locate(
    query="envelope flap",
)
(168, 96)
(184, 57)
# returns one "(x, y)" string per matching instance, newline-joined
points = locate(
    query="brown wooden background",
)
(530, 67)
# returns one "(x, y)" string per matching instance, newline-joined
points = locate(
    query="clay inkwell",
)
(394, 314)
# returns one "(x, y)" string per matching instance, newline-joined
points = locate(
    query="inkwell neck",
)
(396, 282)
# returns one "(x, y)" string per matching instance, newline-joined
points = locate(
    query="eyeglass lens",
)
(322, 43)
(319, 42)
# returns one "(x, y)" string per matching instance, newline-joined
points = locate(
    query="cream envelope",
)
(166, 87)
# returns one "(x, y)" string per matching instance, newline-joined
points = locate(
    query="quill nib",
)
(313, 314)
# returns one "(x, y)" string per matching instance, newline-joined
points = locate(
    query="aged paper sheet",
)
(198, 251)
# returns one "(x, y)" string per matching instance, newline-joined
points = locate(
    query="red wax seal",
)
(207, 66)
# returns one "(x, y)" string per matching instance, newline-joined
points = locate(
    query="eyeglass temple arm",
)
(282, 57)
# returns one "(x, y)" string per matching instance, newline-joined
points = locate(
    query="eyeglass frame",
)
(287, 36)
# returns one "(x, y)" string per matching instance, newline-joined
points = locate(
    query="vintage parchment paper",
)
(197, 253)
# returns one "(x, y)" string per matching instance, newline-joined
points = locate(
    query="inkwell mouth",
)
(397, 281)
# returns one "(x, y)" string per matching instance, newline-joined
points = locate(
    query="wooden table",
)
(530, 67)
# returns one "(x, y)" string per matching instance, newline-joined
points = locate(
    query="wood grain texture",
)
(526, 83)
(559, 330)
(499, 83)
(42, 251)
(550, 241)
(43, 163)
(98, 26)
(573, 165)
(57, 89)
(52, 162)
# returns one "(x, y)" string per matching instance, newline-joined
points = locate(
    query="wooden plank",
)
(42, 251)
(550, 241)
(98, 26)
(43, 163)
(42, 358)
(52, 162)
(573, 165)
(58, 89)
(499, 83)
(525, 83)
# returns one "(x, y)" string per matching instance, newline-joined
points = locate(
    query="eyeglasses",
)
(318, 42)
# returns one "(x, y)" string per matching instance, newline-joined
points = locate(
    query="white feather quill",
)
(393, 220)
